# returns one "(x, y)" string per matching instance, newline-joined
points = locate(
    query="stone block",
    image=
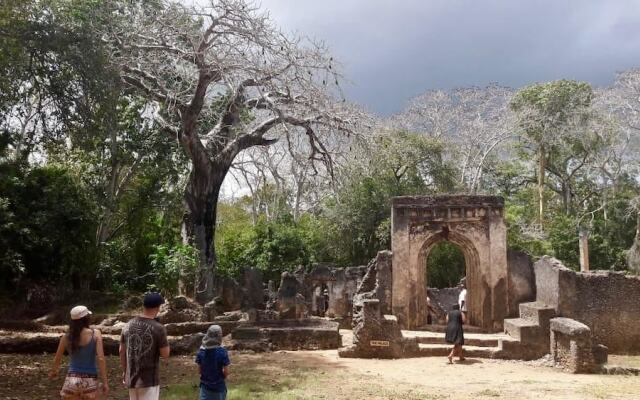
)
(600, 354)
(569, 327)
(571, 347)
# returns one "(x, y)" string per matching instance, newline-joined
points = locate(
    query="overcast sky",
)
(392, 50)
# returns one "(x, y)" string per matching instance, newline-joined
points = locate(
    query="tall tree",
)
(622, 100)
(224, 79)
(476, 121)
(548, 113)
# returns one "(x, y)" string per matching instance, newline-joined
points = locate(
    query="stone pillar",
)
(499, 279)
(583, 235)
(400, 247)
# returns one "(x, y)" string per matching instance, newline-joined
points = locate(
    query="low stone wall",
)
(30, 343)
(607, 302)
(306, 334)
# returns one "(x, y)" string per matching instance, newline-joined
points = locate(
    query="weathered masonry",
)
(476, 225)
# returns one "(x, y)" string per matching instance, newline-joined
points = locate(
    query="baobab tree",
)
(224, 79)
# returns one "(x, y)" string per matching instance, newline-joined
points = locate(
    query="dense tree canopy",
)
(132, 131)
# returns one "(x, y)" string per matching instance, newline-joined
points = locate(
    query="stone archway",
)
(476, 225)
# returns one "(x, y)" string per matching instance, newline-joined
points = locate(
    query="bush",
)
(174, 267)
(445, 265)
(47, 227)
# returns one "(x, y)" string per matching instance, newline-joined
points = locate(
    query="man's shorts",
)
(148, 393)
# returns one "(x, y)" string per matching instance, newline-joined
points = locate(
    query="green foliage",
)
(611, 229)
(91, 191)
(545, 108)
(400, 164)
(172, 265)
(272, 247)
(47, 226)
(445, 265)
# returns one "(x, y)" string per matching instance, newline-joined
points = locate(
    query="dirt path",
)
(489, 378)
(323, 375)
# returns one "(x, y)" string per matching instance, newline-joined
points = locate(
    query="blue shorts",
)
(206, 394)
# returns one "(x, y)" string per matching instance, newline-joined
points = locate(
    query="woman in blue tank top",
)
(84, 346)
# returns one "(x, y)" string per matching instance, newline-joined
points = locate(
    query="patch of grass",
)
(598, 392)
(292, 382)
(489, 393)
(257, 382)
(624, 361)
(180, 391)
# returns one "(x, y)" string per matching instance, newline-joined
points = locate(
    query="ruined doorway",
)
(476, 225)
(446, 265)
(320, 300)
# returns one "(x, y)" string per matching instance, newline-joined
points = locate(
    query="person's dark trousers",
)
(206, 394)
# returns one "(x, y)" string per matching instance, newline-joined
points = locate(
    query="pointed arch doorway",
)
(476, 225)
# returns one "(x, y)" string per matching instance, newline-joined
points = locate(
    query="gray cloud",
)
(395, 49)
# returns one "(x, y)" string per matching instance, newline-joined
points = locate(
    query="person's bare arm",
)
(447, 319)
(102, 364)
(164, 344)
(123, 361)
(225, 372)
(464, 319)
(165, 352)
(62, 345)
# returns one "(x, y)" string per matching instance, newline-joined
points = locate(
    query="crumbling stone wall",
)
(291, 302)
(607, 302)
(522, 281)
(375, 333)
(441, 302)
(246, 293)
(341, 284)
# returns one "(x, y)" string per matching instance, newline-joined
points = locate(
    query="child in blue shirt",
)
(213, 360)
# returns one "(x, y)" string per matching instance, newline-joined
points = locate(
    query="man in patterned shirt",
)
(142, 343)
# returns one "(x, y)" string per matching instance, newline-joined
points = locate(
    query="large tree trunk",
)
(201, 200)
(566, 198)
(633, 254)
(542, 166)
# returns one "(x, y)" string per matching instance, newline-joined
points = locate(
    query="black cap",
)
(152, 300)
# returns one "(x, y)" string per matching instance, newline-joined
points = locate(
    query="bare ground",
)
(323, 375)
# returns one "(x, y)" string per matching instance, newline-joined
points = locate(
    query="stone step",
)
(442, 350)
(522, 329)
(537, 312)
(248, 333)
(443, 328)
(471, 339)
(47, 342)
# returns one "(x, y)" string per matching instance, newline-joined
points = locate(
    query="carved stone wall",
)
(476, 225)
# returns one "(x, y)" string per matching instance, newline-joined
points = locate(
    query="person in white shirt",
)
(462, 298)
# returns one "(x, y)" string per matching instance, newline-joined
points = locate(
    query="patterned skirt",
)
(79, 385)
